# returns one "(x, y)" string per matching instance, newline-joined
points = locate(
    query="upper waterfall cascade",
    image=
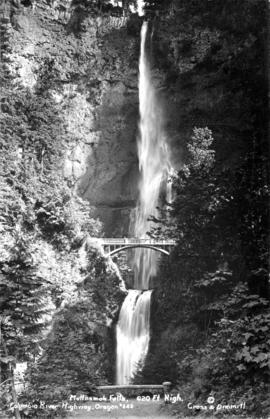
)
(133, 328)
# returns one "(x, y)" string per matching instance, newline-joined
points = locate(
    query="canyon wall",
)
(88, 66)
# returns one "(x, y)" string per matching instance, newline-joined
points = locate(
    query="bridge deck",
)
(133, 390)
(131, 386)
(113, 246)
(136, 241)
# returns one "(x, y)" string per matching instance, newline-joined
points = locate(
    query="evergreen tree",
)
(22, 304)
(216, 321)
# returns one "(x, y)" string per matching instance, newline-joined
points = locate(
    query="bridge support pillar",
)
(167, 385)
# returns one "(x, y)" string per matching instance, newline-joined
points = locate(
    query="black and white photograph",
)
(134, 209)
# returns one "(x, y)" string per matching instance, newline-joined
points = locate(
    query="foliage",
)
(233, 364)
(216, 279)
(215, 297)
(22, 299)
(23, 308)
(77, 351)
(202, 157)
(42, 223)
(214, 331)
(97, 8)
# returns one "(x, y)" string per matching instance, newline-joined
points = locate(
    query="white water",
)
(132, 334)
(133, 328)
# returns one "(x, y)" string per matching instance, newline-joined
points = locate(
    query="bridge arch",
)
(112, 246)
(133, 246)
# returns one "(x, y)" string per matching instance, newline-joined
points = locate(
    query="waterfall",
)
(133, 328)
(132, 334)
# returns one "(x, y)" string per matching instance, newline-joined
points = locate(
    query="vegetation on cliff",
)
(215, 329)
(210, 309)
(44, 269)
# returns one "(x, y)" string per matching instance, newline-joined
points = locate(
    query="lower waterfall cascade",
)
(133, 327)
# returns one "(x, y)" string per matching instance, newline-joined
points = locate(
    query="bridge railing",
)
(119, 241)
(133, 390)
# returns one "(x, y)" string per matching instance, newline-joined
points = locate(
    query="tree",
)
(78, 351)
(207, 282)
(23, 301)
(37, 211)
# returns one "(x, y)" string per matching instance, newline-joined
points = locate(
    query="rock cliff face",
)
(87, 62)
(88, 65)
(203, 61)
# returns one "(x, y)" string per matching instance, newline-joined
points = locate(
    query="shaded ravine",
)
(133, 328)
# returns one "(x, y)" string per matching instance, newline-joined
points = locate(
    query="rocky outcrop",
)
(198, 57)
(88, 65)
(88, 61)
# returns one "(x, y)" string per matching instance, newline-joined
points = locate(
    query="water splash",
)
(133, 329)
(132, 334)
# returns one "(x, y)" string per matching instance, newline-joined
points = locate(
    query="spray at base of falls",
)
(132, 334)
(133, 328)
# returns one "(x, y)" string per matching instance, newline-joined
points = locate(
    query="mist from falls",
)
(133, 328)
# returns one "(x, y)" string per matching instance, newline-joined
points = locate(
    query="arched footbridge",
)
(112, 246)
